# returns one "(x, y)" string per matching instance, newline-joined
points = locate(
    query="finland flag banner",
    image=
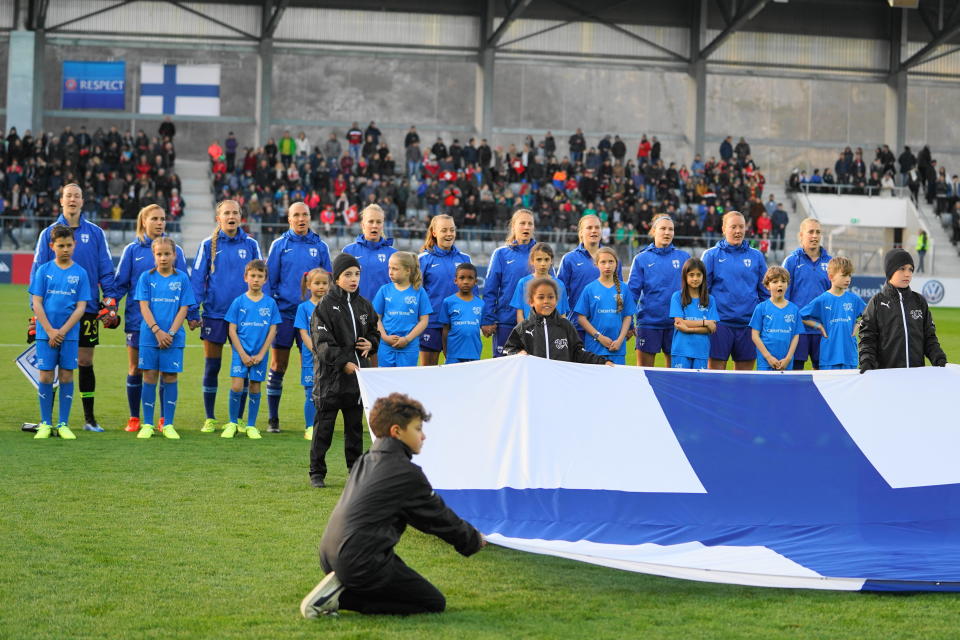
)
(818, 480)
(180, 89)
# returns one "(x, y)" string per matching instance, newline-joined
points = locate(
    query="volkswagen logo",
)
(933, 291)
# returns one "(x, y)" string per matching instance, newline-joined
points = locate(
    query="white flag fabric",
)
(180, 89)
(821, 480)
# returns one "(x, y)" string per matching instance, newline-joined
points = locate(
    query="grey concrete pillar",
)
(895, 112)
(264, 90)
(483, 107)
(38, 66)
(697, 80)
(21, 80)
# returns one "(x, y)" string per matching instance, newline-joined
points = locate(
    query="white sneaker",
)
(324, 599)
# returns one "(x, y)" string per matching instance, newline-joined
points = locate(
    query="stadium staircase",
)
(946, 260)
(198, 218)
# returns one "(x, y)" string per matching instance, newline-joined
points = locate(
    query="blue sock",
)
(149, 402)
(309, 410)
(134, 384)
(235, 399)
(254, 409)
(243, 398)
(274, 391)
(66, 401)
(168, 396)
(45, 395)
(211, 369)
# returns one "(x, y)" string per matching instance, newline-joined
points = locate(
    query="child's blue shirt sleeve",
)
(756, 320)
(676, 310)
(233, 312)
(378, 301)
(187, 299)
(38, 283)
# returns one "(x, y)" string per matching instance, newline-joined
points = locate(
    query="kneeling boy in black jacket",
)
(547, 334)
(384, 493)
(896, 328)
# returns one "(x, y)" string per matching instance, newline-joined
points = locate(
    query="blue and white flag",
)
(27, 363)
(180, 89)
(820, 480)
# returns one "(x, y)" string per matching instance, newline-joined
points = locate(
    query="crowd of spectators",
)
(480, 185)
(120, 172)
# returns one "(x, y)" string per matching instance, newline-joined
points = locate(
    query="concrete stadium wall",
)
(790, 122)
(238, 91)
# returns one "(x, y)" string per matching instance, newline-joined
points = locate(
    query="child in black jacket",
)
(344, 334)
(547, 334)
(385, 492)
(896, 328)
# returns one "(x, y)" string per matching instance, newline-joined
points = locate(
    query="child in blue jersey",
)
(605, 310)
(165, 296)
(316, 282)
(541, 266)
(460, 315)
(59, 291)
(775, 324)
(137, 259)
(253, 318)
(404, 310)
(695, 317)
(839, 310)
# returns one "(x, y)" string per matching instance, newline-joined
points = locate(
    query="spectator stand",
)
(480, 187)
(119, 172)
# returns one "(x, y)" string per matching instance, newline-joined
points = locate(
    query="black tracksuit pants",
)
(323, 423)
(402, 591)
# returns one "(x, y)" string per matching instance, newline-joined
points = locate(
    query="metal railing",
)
(849, 189)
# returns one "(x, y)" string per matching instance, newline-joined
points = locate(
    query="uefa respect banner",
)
(820, 480)
(93, 85)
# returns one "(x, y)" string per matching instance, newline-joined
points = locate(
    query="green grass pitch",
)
(111, 537)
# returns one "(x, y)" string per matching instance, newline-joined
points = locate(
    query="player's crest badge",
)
(363, 319)
(916, 314)
(73, 279)
(242, 253)
(676, 264)
(477, 310)
(848, 306)
(789, 318)
(410, 299)
(264, 312)
(747, 262)
(313, 252)
(175, 286)
(85, 237)
(382, 257)
(560, 343)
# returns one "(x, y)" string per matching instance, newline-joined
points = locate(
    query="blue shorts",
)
(500, 337)
(432, 340)
(684, 362)
(390, 357)
(168, 360)
(833, 367)
(615, 359)
(256, 373)
(807, 346)
(650, 340)
(214, 330)
(133, 339)
(286, 335)
(64, 356)
(736, 342)
(456, 360)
